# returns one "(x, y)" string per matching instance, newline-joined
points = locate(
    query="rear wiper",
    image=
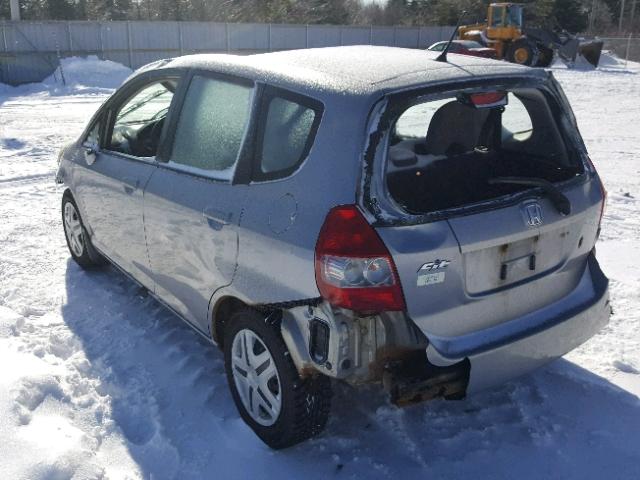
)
(559, 200)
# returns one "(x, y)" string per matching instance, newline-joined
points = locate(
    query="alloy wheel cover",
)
(256, 377)
(73, 229)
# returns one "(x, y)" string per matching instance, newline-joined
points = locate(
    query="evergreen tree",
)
(59, 10)
(570, 15)
(5, 12)
(109, 9)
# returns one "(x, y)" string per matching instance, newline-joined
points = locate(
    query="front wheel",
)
(522, 52)
(279, 406)
(78, 241)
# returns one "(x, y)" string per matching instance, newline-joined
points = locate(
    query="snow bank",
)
(89, 72)
(80, 74)
(99, 381)
(608, 62)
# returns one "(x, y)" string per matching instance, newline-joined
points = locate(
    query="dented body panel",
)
(488, 296)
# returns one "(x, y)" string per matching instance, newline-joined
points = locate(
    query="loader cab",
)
(505, 21)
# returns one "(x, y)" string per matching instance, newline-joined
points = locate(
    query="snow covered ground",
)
(98, 381)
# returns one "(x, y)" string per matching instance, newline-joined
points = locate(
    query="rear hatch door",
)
(469, 273)
(495, 260)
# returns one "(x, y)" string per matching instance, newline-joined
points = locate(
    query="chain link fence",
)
(30, 51)
(627, 48)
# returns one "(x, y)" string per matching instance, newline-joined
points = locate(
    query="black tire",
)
(522, 52)
(545, 57)
(305, 403)
(83, 253)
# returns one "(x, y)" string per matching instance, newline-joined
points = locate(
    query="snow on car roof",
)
(355, 70)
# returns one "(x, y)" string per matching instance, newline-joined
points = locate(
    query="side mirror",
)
(90, 151)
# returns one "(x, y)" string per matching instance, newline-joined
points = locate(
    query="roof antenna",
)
(443, 56)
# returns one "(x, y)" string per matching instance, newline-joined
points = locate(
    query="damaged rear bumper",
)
(390, 348)
(512, 349)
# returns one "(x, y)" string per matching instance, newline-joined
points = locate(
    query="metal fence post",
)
(180, 38)
(129, 44)
(626, 55)
(57, 44)
(69, 39)
(5, 50)
(370, 34)
(101, 40)
(226, 37)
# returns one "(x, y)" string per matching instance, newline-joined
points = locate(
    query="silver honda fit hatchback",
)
(365, 214)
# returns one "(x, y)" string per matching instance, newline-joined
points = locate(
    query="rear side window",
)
(211, 126)
(287, 128)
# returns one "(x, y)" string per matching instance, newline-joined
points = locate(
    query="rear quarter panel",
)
(282, 218)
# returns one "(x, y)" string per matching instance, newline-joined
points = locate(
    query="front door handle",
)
(216, 218)
(130, 184)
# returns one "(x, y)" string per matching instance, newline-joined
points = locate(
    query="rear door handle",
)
(216, 218)
(130, 184)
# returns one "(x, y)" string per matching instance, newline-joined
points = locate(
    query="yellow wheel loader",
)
(505, 32)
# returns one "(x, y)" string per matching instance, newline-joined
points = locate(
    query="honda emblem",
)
(532, 214)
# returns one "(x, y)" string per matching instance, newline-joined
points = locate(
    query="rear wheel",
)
(522, 52)
(545, 57)
(279, 406)
(78, 241)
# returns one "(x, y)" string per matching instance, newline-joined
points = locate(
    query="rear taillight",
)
(488, 99)
(602, 190)
(354, 269)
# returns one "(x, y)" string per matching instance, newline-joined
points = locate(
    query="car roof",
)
(351, 70)
(459, 42)
(467, 42)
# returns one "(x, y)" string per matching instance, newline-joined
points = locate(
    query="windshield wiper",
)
(141, 103)
(559, 200)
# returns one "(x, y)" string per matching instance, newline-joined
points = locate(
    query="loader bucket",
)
(590, 50)
(568, 50)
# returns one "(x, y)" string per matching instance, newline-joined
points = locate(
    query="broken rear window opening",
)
(469, 148)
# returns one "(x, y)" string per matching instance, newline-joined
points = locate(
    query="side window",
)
(212, 126)
(496, 17)
(139, 121)
(288, 126)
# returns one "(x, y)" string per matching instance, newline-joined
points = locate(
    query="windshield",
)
(470, 44)
(145, 106)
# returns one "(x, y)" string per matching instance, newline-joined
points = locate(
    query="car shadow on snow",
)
(170, 402)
